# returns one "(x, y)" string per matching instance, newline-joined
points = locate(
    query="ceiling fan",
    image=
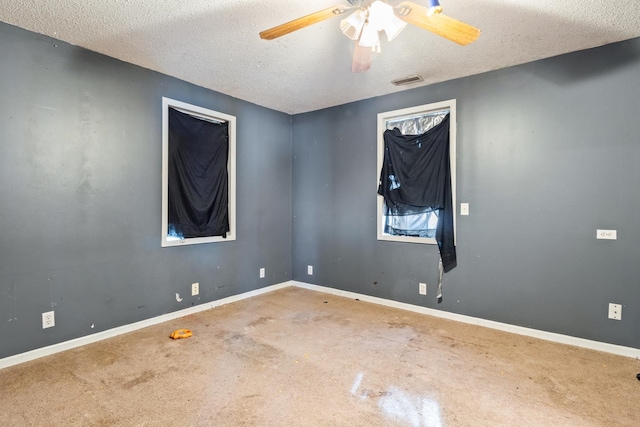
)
(371, 17)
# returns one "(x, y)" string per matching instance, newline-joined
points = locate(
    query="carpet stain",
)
(331, 318)
(261, 321)
(104, 422)
(301, 318)
(375, 394)
(146, 376)
(247, 348)
(396, 325)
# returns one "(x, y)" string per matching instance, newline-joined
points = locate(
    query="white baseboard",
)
(110, 333)
(535, 333)
(520, 330)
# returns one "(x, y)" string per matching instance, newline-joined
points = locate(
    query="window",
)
(418, 226)
(206, 192)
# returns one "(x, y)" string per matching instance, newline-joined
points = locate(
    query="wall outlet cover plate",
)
(48, 320)
(607, 234)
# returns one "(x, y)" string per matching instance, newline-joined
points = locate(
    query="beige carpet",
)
(299, 358)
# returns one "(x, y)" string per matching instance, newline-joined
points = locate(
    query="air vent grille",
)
(408, 80)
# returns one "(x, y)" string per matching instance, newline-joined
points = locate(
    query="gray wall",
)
(547, 153)
(80, 195)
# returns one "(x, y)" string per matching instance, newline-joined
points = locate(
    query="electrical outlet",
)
(48, 320)
(615, 311)
(422, 288)
(464, 208)
(195, 289)
(607, 234)
(310, 270)
(262, 272)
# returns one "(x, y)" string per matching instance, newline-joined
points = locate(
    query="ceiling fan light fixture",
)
(382, 18)
(393, 27)
(373, 16)
(352, 25)
(369, 36)
(434, 7)
(380, 14)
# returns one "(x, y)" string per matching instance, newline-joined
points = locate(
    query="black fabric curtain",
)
(198, 181)
(416, 177)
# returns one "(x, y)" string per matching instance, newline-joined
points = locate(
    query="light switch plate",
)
(615, 311)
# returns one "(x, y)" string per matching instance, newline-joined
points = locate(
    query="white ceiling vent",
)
(408, 80)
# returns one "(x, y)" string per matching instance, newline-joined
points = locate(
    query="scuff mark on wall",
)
(178, 297)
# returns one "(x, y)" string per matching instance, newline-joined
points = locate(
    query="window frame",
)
(419, 110)
(205, 114)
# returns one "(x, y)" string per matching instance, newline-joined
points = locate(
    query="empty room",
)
(292, 213)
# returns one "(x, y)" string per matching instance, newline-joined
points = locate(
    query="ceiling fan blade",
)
(442, 25)
(304, 21)
(361, 58)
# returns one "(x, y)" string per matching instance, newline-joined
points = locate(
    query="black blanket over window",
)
(416, 175)
(198, 193)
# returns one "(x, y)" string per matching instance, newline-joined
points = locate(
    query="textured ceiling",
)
(215, 43)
